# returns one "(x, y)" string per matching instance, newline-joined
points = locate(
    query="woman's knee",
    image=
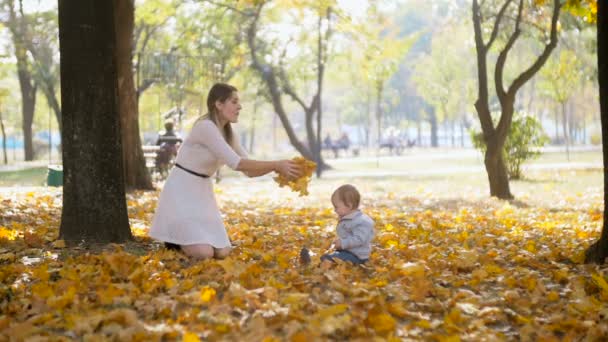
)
(202, 251)
(221, 253)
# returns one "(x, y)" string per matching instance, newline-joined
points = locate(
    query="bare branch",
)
(497, 23)
(288, 89)
(502, 56)
(223, 5)
(540, 61)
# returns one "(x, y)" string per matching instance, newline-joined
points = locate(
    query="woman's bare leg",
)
(200, 251)
(221, 253)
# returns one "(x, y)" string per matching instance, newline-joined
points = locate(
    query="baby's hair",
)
(348, 195)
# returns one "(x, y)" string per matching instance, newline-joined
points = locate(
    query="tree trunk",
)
(28, 105)
(434, 128)
(320, 70)
(419, 132)
(556, 114)
(28, 102)
(497, 172)
(51, 98)
(598, 252)
(368, 120)
(27, 85)
(565, 129)
(379, 90)
(3, 139)
(136, 173)
(94, 206)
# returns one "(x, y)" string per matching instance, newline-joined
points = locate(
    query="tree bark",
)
(598, 251)
(136, 173)
(94, 206)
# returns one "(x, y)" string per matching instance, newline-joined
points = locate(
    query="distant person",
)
(187, 217)
(327, 142)
(169, 136)
(344, 142)
(169, 142)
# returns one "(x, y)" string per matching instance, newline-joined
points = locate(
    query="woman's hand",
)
(288, 169)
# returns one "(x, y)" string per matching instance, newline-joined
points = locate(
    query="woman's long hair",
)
(219, 92)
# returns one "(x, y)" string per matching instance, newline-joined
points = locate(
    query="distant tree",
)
(135, 171)
(279, 82)
(94, 206)
(442, 77)
(42, 44)
(507, 23)
(16, 21)
(560, 76)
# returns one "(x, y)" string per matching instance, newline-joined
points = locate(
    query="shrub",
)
(524, 140)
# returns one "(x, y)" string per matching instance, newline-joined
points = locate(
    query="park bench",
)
(150, 154)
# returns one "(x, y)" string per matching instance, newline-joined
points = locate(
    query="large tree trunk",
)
(136, 173)
(598, 252)
(94, 206)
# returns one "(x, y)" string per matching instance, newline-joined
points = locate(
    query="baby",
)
(355, 229)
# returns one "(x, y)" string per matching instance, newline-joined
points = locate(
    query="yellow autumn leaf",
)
(299, 185)
(600, 281)
(190, 337)
(381, 322)
(207, 294)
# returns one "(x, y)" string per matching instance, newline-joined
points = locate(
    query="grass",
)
(447, 169)
(35, 176)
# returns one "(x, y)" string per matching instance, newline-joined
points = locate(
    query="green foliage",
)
(560, 76)
(525, 138)
(596, 139)
(586, 9)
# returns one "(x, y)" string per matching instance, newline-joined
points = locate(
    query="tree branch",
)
(497, 24)
(502, 56)
(232, 8)
(540, 61)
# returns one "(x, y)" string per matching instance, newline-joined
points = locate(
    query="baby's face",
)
(341, 208)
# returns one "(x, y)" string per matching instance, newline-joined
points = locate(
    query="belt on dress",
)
(192, 172)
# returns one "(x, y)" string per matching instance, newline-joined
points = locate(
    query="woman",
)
(187, 215)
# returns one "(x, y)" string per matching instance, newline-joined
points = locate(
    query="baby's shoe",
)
(304, 256)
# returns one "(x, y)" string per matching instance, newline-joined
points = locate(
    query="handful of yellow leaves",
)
(301, 184)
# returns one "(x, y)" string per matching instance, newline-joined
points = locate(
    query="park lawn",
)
(35, 176)
(448, 263)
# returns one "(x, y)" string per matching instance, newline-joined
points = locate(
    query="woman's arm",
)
(256, 168)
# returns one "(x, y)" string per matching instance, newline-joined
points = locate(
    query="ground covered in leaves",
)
(444, 268)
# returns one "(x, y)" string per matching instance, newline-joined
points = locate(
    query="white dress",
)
(187, 212)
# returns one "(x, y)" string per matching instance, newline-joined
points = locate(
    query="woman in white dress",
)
(187, 215)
